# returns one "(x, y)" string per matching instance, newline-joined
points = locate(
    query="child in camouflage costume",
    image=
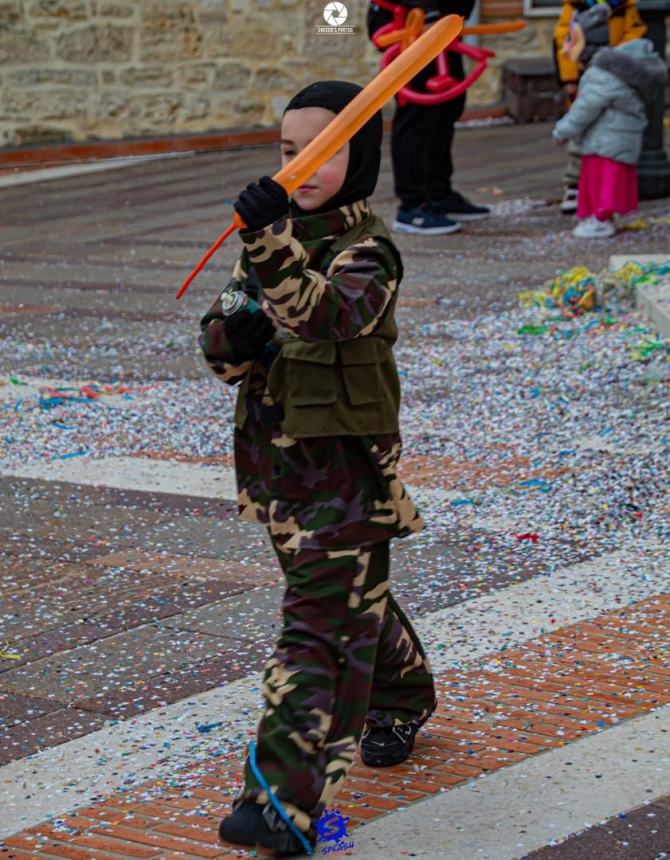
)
(316, 451)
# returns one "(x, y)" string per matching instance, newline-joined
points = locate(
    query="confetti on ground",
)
(536, 447)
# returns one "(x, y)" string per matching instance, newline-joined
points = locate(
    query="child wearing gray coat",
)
(607, 120)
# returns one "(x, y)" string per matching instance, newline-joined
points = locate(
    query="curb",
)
(655, 304)
(653, 301)
(29, 157)
(65, 153)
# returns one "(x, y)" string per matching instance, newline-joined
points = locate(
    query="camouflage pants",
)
(346, 655)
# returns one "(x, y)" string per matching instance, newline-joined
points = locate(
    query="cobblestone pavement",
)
(137, 611)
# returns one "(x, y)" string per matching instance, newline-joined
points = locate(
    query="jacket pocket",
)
(310, 373)
(361, 370)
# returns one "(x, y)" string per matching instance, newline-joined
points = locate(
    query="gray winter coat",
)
(608, 116)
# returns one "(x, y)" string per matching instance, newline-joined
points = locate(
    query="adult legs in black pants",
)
(421, 140)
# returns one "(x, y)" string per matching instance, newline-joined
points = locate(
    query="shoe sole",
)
(296, 851)
(399, 227)
(254, 842)
(476, 216)
(568, 210)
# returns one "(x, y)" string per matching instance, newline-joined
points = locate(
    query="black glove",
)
(262, 203)
(247, 333)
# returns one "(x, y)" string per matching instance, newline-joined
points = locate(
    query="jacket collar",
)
(328, 225)
(635, 64)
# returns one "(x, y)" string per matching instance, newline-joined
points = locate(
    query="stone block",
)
(239, 110)
(163, 47)
(74, 10)
(139, 113)
(34, 77)
(220, 117)
(250, 108)
(273, 78)
(96, 43)
(197, 74)
(169, 32)
(113, 10)
(46, 104)
(232, 77)
(270, 37)
(40, 134)
(211, 12)
(151, 77)
(168, 10)
(11, 13)
(16, 46)
(195, 108)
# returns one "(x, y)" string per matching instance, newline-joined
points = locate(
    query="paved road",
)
(137, 610)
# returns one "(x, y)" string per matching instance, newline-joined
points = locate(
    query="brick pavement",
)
(522, 702)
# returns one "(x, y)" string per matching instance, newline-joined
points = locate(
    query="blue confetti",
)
(206, 728)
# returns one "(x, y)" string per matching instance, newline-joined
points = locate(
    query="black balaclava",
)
(364, 147)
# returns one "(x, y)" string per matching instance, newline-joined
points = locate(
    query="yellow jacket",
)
(625, 25)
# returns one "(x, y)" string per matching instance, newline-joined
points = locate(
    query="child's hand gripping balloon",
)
(262, 203)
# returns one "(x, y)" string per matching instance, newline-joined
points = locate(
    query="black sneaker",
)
(460, 208)
(389, 745)
(425, 222)
(253, 824)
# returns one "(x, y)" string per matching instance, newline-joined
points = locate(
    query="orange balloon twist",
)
(489, 29)
(414, 27)
(408, 34)
(414, 24)
(346, 123)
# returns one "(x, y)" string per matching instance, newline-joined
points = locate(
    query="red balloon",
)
(442, 87)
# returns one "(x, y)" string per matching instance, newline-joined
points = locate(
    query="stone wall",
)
(82, 69)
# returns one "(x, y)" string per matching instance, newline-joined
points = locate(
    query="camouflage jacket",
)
(330, 282)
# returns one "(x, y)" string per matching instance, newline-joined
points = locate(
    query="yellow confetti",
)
(644, 223)
(531, 298)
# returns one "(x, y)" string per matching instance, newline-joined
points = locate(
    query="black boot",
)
(385, 746)
(253, 824)
(388, 745)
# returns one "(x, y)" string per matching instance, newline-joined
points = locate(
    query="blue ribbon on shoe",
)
(283, 814)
